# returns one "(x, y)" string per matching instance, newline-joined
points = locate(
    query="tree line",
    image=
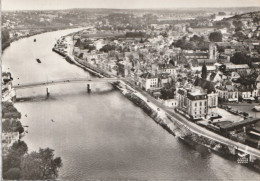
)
(40, 165)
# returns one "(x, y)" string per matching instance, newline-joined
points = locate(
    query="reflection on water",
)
(102, 134)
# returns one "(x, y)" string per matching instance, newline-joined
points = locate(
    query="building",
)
(209, 88)
(236, 67)
(227, 92)
(196, 55)
(248, 93)
(170, 103)
(258, 82)
(8, 139)
(213, 51)
(148, 81)
(167, 68)
(7, 91)
(236, 126)
(124, 69)
(193, 102)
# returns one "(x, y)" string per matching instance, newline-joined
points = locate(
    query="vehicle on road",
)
(257, 108)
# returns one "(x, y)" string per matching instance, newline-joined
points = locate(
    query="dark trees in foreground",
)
(39, 165)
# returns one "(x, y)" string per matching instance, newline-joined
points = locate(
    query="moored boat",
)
(38, 60)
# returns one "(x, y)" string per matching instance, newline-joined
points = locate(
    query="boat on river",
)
(38, 60)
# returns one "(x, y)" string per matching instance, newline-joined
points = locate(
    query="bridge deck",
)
(64, 81)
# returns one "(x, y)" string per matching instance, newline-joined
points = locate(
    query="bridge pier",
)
(47, 92)
(88, 88)
(14, 98)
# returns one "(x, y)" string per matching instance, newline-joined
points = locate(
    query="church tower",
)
(212, 51)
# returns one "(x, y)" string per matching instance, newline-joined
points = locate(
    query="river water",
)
(100, 135)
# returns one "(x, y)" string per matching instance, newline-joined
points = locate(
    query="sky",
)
(121, 4)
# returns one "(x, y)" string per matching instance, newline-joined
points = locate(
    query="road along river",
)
(100, 135)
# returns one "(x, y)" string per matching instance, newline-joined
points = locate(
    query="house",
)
(248, 93)
(170, 103)
(6, 77)
(7, 91)
(207, 62)
(124, 68)
(196, 64)
(196, 55)
(236, 67)
(229, 51)
(167, 68)
(209, 88)
(227, 92)
(258, 82)
(193, 102)
(164, 80)
(148, 81)
(8, 138)
(216, 76)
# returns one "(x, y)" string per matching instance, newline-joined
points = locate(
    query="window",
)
(200, 103)
(195, 104)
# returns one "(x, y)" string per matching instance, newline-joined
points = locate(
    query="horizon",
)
(31, 5)
(179, 8)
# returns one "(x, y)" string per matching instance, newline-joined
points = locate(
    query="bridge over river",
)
(191, 126)
(66, 81)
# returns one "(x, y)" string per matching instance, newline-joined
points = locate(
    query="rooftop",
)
(148, 75)
(239, 124)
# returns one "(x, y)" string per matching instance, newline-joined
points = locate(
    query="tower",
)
(212, 51)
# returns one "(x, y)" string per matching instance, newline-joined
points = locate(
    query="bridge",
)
(66, 81)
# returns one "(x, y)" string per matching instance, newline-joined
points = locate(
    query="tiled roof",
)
(148, 75)
(166, 66)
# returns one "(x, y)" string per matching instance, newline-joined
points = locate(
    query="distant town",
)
(201, 65)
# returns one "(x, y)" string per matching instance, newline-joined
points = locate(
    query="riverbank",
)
(69, 58)
(11, 40)
(182, 132)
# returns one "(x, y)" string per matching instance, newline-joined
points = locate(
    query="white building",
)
(148, 81)
(193, 102)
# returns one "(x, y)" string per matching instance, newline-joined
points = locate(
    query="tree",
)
(195, 43)
(204, 71)
(12, 174)
(5, 36)
(12, 126)
(215, 36)
(241, 58)
(238, 24)
(78, 42)
(12, 160)
(41, 165)
(167, 93)
(20, 147)
(240, 35)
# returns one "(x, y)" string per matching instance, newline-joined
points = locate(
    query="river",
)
(101, 135)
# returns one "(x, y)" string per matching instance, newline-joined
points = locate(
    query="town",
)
(203, 72)
(202, 65)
